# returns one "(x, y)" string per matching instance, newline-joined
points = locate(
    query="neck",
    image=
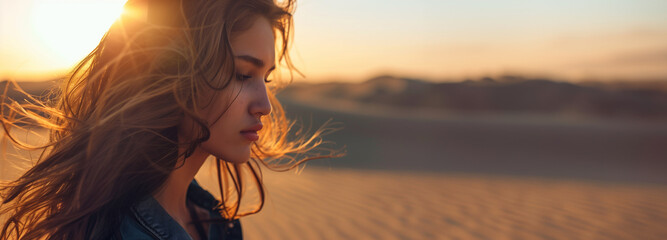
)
(173, 194)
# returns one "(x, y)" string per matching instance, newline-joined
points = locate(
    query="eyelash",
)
(246, 77)
(243, 77)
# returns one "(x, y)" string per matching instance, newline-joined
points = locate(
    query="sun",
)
(70, 29)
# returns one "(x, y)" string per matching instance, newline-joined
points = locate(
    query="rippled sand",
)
(362, 204)
(325, 203)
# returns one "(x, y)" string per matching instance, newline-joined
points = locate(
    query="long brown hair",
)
(113, 126)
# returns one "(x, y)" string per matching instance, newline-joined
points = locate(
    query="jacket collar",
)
(157, 221)
(201, 197)
(160, 224)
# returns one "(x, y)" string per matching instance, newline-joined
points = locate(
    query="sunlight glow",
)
(71, 29)
(356, 40)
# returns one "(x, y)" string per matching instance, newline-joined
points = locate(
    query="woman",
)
(170, 84)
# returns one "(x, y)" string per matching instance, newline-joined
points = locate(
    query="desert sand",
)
(348, 203)
(321, 203)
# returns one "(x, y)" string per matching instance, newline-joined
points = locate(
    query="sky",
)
(352, 40)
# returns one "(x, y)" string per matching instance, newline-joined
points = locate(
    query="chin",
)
(235, 155)
(236, 158)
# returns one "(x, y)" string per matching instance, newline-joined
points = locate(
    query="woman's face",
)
(233, 115)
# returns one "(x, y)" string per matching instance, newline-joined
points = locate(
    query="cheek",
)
(226, 122)
(225, 141)
(216, 105)
(215, 109)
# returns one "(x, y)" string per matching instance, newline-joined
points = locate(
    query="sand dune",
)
(515, 145)
(508, 94)
(354, 204)
(364, 204)
(340, 203)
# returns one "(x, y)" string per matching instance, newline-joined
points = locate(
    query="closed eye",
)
(243, 77)
(258, 63)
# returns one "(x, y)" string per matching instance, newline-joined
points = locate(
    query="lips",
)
(251, 133)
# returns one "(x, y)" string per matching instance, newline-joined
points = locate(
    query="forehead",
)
(257, 41)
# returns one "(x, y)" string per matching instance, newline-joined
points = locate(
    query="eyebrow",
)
(255, 61)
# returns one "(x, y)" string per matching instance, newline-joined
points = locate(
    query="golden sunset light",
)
(51, 20)
(353, 40)
(44, 37)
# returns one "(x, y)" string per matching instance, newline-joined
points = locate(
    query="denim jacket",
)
(148, 220)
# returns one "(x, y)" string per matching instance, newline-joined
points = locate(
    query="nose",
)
(261, 105)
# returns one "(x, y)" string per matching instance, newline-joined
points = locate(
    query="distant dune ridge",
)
(506, 94)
